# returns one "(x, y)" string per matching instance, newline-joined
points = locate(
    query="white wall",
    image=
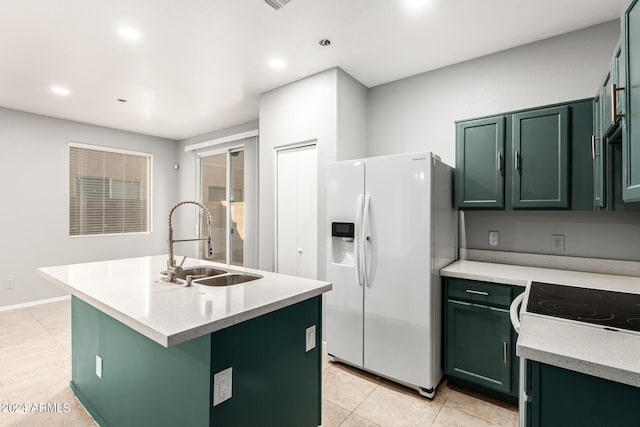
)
(418, 113)
(301, 111)
(352, 118)
(34, 218)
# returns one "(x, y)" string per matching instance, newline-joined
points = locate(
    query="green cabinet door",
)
(559, 397)
(480, 163)
(631, 122)
(596, 153)
(478, 345)
(540, 159)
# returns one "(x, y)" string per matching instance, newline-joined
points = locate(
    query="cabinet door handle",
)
(593, 147)
(504, 352)
(471, 291)
(499, 161)
(614, 101)
(516, 158)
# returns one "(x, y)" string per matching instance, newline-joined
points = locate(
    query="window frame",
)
(71, 145)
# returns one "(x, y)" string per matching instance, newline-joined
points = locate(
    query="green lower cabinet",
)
(275, 381)
(479, 342)
(560, 397)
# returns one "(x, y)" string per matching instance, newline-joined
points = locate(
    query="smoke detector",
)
(276, 4)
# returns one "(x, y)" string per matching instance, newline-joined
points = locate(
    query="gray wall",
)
(418, 113)
(34, 219)
(611, 235)
(301, 111)
(352, 118)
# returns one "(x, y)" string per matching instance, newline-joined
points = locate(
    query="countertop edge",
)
(199, 331)
(483, 278)
(191, 333)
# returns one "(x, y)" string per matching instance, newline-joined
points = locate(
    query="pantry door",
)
(297, 211)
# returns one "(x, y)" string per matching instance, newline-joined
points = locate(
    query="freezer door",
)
(398, 300)
(345, 193)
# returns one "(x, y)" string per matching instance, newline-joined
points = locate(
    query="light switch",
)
(311, 337)
(98, 366)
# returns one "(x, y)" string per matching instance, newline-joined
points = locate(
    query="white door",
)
(297, 212)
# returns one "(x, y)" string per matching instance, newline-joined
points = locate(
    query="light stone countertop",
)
(576, 346)
(132, 292)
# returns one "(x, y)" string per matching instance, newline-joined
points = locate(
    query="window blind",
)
(108, 191)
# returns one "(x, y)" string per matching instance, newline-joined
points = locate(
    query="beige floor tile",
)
(17, 321)
(449, 417)
(493, 413)
(17, 338)
(332, 414)
(21, 371)
(354, 420)
(64, 339)
(346, 387)
(394, 405)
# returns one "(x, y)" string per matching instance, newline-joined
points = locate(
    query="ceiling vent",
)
(276, 4)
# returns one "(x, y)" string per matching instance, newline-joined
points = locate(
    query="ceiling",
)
(200, 65)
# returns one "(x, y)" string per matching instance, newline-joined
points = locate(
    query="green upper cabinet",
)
(541, 159)
(631, 123)
(596, 154)
(533, 159)
(479, 163)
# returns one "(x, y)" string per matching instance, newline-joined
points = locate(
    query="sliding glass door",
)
(222, 191)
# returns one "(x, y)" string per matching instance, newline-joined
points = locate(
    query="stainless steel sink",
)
(227, 279)
(199, 272)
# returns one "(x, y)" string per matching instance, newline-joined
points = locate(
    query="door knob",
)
(299, 250)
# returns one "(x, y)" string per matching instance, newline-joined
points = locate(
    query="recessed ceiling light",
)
(122, 100)
(129, 33)
(324, 42)
(59, 90)
(414, 4)
(277, 63)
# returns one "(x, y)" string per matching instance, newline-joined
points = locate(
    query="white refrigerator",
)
(392, 226)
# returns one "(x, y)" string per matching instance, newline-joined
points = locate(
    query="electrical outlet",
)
(557, 243)
(11, 284)
(222, 386)
(98, 366)
(311, 337)
(494, 238)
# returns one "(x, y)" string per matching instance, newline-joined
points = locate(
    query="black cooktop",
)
(608, 308)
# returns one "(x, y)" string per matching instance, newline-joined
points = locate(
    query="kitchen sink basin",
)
(199, 272)
(227, 279)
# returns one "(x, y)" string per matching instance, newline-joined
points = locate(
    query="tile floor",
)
(35, 368)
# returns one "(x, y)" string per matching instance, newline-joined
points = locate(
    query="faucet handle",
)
(183, 260)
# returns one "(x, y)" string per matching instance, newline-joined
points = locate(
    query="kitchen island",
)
(145, 352)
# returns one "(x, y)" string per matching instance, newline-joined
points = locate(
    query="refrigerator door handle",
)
(365, 239)
(358, 239)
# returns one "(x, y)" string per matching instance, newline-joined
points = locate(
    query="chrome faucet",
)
(172, 268)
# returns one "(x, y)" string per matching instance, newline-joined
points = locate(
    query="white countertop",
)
(130, 291)
(576, 346)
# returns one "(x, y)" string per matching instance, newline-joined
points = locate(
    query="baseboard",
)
(34, 303)
(90, 409)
